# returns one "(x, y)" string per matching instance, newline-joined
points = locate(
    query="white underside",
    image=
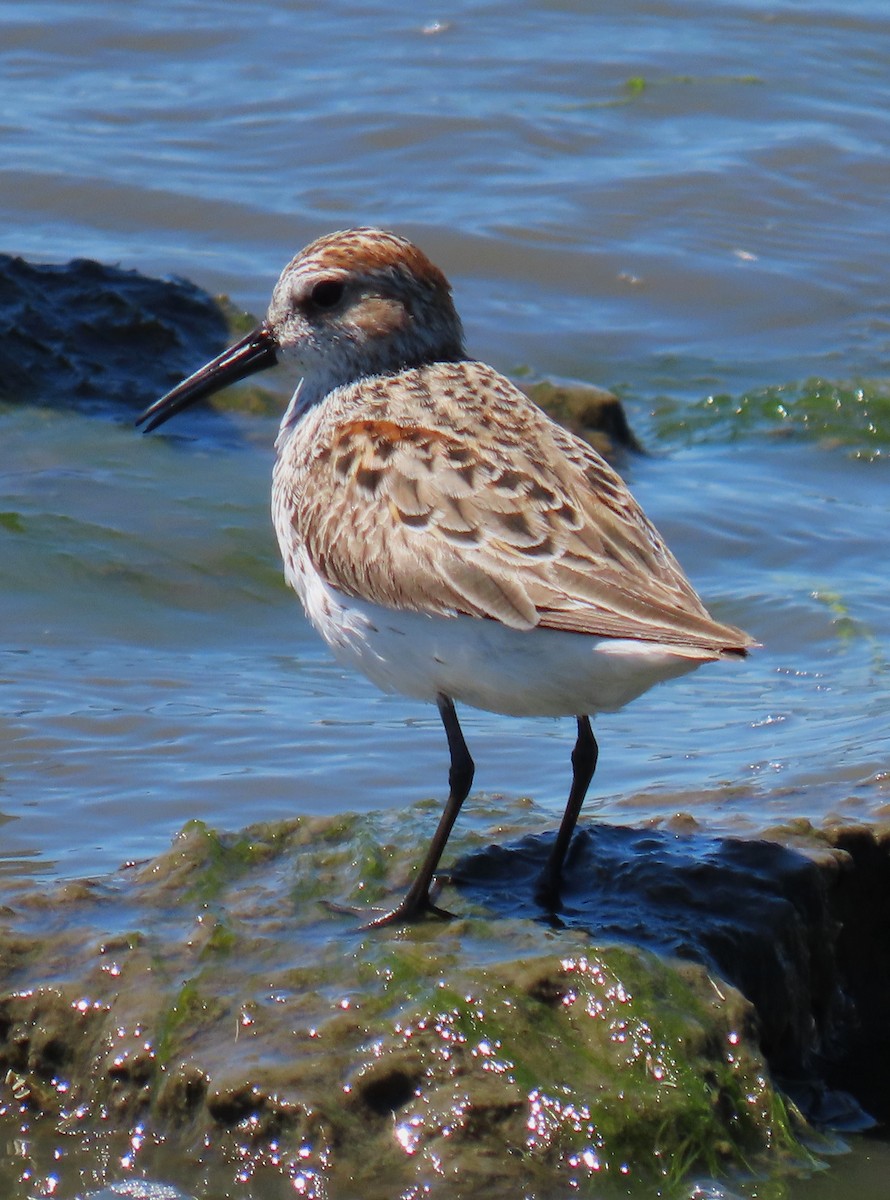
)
(539, 672)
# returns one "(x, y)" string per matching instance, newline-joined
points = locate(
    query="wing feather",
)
(484, 507)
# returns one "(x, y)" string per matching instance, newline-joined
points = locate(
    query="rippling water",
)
(673, 199)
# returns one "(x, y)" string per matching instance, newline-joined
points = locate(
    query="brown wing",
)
(488, 508)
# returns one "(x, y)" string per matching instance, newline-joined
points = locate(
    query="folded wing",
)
(490, 509)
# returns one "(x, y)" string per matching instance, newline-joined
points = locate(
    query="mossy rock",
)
(207, 1004)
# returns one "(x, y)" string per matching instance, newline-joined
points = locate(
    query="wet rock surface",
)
(798, 921)
(90, 336)
(203, 1017)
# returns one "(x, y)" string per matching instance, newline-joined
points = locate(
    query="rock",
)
(205, 1002)
(89, 336)
(797, 921)
(592, 413)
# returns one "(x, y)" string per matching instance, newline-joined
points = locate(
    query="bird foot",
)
(412, 908)
(405, 914)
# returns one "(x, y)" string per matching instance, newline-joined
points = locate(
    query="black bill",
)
(256, 352)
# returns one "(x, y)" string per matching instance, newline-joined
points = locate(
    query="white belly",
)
(538, 672)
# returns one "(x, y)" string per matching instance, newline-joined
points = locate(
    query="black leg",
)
(460, 779)
(584, 758)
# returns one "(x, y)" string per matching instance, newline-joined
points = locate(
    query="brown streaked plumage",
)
(450, 492)
(446, 537)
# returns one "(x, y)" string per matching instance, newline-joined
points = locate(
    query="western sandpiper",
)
(444, 535)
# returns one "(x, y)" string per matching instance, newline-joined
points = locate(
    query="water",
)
(675, 200)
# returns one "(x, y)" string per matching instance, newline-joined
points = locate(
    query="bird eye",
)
(327, 293)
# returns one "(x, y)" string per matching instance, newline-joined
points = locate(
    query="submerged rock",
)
(207, 1010)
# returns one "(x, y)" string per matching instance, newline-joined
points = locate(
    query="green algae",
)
(187, 1008)
(847, 628)
(658, 1082)
(855, 415)
(218, 860)
(636, 86)
(12, 522)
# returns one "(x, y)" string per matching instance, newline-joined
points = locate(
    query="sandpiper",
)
(444, 535)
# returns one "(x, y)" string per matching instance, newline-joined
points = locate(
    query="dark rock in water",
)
(85, 335)
(801, 932)
(857, 1055)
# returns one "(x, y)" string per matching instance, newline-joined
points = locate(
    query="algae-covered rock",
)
(570, 1068)
(594, 414)
(205, 1009)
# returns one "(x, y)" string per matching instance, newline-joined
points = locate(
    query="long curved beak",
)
(256, 352)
